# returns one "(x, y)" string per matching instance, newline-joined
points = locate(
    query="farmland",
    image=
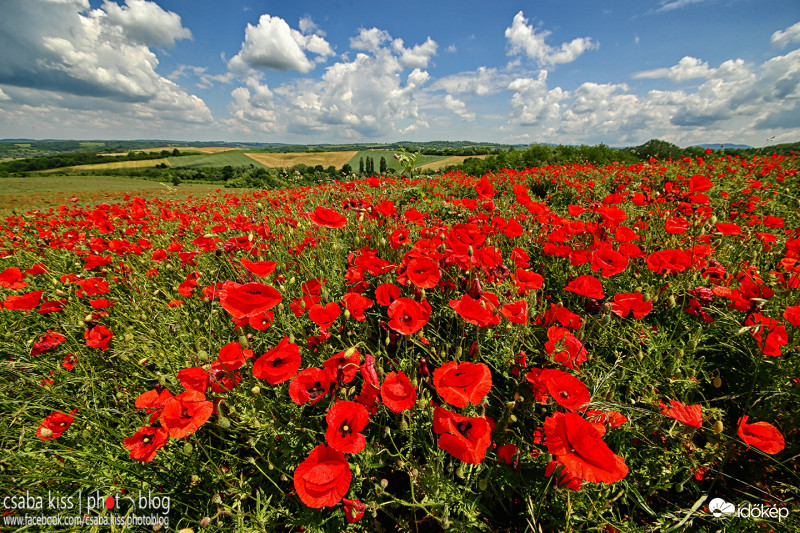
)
(44, 192)
(473, 353)
(326, 159)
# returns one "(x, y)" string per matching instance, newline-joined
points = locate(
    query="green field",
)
(221, 159)
(43, 192)
(391, 162)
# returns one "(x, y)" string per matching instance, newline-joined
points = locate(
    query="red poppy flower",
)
(676, 225)
(691, 415)
(609, 261)
(761, 435)
(630, 302)
(11, 278)
(98, 337)
(185, 413)
(194, 378)
(26, 302)
(50, 306)
(261, 321)
(54, 425)
(397, 392)
(48, 343)
(565, 479)
(560, 314)
(700, 183)
(368, 397)
(506, 453)
(144, 444)
(792, 315)
(259, 268)
(353, 510)
(580, 449)
(323, 478)
(423, 272)
(386, 293)
(345, 421)
(248, 299)
(462, 383)
(463, 437)
(526, 281)
(728, 229)
(324, 315)
(343, 366)
(357, 304)
(221, 379)
(587, 286)
(770, 336)
(328, 218)
(565, 347)
(232, 355)
(479, 312)
(368, 371)
(408, 316)
(565, 389)
(279, 364)
(311, 384)
(516, 312)
(667, 261)
(153, 402)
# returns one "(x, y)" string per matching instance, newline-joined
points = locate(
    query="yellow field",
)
(453, 160)
(203, 149)
(312, 159)
(144, 163)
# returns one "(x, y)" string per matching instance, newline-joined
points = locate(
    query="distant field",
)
(204, 149)
(219, 159)
(143, 163)
(391, 162)
(312, 159)
(453, 160)
(43, 192)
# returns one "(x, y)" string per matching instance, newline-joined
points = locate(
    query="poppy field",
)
(563, 348)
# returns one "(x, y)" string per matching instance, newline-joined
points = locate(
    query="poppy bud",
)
(46, 433)
(483, 484)
(671, 300)
(423, 368)
(224, 423)
(188, 448)
(384, 483)
(256, 390)
(470, 251)
(717, 382)
(718, 427)
(205, 521)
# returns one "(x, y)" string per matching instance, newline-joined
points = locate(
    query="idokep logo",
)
(719, 508)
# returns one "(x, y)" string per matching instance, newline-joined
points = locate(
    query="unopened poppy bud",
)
(223, 423)
(46, 433)
(186, 530)
(483, 484)
(205, 521)
(470, 251)
(671, 300)
(347, 314)
(188, 448)
(384, 483)
(256, 390)
(717, 382)
(718, 427)
(423, 368)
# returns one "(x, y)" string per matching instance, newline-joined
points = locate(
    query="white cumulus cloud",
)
(146, 23)
(273, 44)
(523, 38)
(783, 37)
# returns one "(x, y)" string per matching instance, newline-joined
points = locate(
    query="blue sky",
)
(561, 71)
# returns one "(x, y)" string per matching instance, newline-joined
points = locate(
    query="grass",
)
(326, 159)
(446, 162)
(142, 163)
(43, 192)
(220, 159)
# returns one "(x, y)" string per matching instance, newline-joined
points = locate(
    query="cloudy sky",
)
(618, 72)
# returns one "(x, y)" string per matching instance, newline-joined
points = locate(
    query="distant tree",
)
(383, 165)
(176, 152)
(347, 169)
(360, 165)
(227, 172)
